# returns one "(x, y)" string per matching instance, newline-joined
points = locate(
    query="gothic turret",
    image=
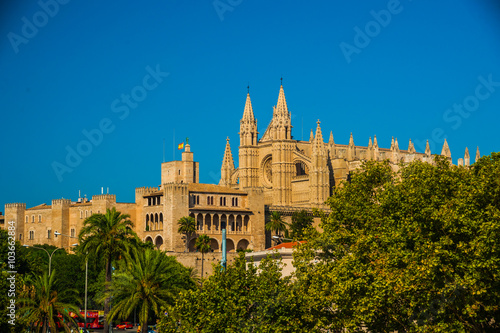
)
(227, 168)
(375, 148)
(466, 157)
(248, 174)
(282, 123)
(446, 149)
(478, 156)
(411, 148)
(319, 174)
(351, 153)
(369, 150)
(427, 149)
(331, 146)
(248, 125)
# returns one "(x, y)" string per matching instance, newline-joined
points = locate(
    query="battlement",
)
(145, 190)
(16, 205)
(103, 197)
(61, 202)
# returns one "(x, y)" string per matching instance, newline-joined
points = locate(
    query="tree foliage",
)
(301, 221)
(108, 236)
(41, 306)
(413, 251)
(240, 299)
(187, 226)
(203, 245)
(276, 224)
(150, 281)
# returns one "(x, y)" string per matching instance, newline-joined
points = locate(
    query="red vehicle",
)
(125, 325)
(94, 320)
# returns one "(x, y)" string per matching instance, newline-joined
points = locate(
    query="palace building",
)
(155, 212)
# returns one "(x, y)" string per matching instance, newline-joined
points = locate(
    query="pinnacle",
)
(351, 140)
(319, 135)
(228, 156)
(331, 138)
(281, 107)
(248, 111)
(446, 149)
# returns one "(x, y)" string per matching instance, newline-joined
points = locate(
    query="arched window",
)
(39, 218)
(81, 214)
(72, 232)
(27, 219)
(48, 233)
(86, 214)
(33, 219)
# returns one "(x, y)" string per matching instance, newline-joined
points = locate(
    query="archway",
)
(158, 241)
(192, 248)
(149, 239)
(229, 245)
(214, 245)
(208, 222)
(216, 222)
(242, 244)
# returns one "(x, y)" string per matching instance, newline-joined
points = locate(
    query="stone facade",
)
(296, 174)
(155, 212)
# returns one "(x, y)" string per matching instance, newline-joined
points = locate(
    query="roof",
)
(211, 188)
(289, 245)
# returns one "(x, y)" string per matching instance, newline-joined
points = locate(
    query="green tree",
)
(150, 281)
(301, 221)
(41, 308)
(202, 245)
(187, 226)
(276, 224)
(410, 251)
(108, 236)
(241, 299)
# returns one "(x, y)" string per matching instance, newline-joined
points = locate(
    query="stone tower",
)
(248, 169)
(14, 212)
(282, 149)
(319, 173)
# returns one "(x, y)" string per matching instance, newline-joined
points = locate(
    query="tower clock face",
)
(267, 171)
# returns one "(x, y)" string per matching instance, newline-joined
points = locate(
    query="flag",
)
(180, 146)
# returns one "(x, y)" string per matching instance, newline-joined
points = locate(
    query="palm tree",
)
(203, 245)
(276, 224)
(108, 236)
(149, 282)
(40, 307)
(187, 226)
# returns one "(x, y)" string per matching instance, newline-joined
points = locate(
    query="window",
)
(33, 219)
(72, 232)
(27, 219)
(81, 214)
(32, 235)
(39, 218)
(20, 236)
(86, 213)
(48, 233)
(197, 199)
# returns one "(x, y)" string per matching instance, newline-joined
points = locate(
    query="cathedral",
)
(298, 174)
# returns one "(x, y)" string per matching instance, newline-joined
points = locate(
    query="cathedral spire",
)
(330, 141)
(318, 139)
(478, 156)
(248, 111)
(281, 107)
(227, 168)
(227, 160)
(248, 125)
(427, 149)
(446, 149)
(466, 157)
(311, 136)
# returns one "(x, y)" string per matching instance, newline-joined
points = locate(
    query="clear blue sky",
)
(69, 72)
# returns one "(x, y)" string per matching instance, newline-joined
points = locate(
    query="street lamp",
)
(41, 248)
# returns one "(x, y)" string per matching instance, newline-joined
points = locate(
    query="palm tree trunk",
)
(187, 243)
(106, 289)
